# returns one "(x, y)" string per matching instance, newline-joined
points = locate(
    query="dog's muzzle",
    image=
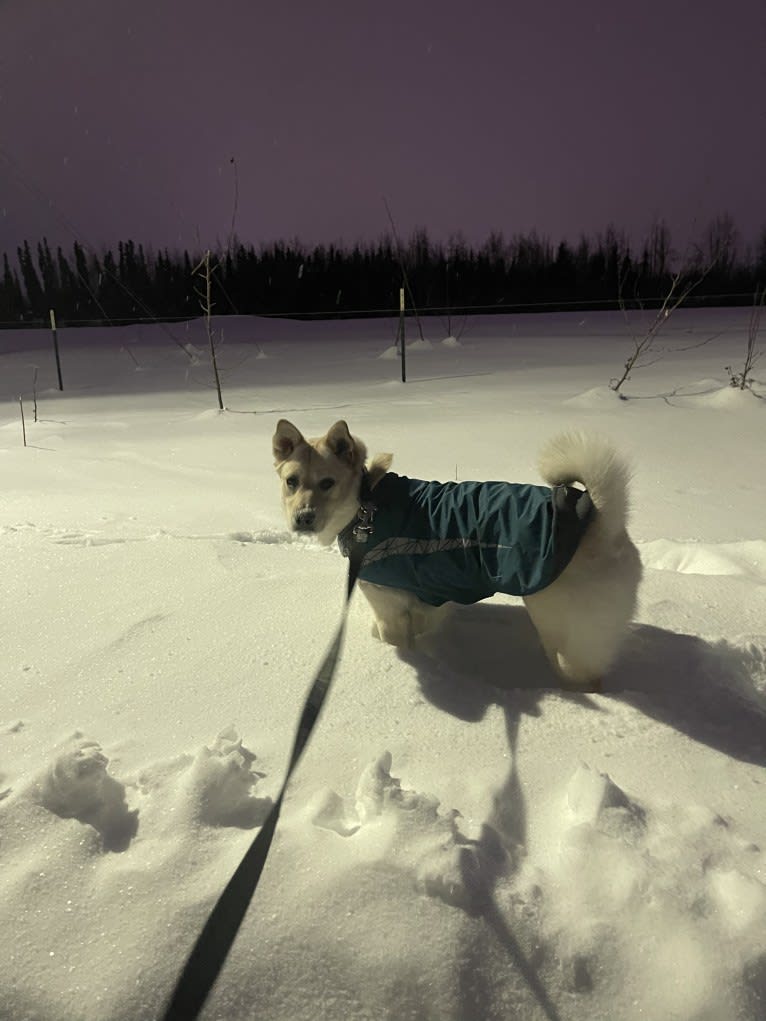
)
(305, 520)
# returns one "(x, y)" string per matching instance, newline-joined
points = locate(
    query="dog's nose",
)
(304, 519)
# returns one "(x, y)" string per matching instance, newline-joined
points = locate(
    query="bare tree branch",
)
(403, 269)
(744, 379)
(204, 270)
(683, 282)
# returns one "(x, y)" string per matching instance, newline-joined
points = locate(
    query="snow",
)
(462, 838)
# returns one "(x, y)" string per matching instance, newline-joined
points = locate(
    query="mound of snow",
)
(598, 397)
(217, 787)
(405, 828)
(81, 841)
(710, 392)
(732, 398)
(77, 786)
(413, 347)
(698, 387)
(725, 558)
(677, 882)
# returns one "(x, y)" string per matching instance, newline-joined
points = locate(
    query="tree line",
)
(289, 278)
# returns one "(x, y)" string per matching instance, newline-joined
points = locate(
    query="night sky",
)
(122, 118)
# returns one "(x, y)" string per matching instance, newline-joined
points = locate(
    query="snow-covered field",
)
(450, 847)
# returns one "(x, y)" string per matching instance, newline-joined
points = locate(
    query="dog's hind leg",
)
(582, 618)
(578, 665)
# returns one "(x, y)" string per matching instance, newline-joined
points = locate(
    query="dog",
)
(563, 547)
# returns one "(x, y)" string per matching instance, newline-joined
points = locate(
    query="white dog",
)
(428, 545)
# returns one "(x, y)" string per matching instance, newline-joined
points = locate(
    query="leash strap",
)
(220, 930)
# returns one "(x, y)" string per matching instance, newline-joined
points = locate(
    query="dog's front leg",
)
(392, 609)
(400, 617)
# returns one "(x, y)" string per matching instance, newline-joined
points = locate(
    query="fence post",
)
(56, 346)
(401, 334)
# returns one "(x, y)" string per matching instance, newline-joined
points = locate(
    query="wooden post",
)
(56, 347)
(401, 334)
(23, 426)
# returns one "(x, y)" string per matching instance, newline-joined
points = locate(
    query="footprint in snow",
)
(404, 828)
(745, 657)
(77, 786)
(213, 787)
(220, 782)
(68, 538)
(679, 880)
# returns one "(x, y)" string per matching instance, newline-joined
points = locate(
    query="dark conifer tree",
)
(760, 259)
(13, 307)
(287, 278)
(86, 281)
(48, 274)
(68, 288)
(32, 286)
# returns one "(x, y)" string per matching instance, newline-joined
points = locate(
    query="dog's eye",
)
(326, 484)
(292, 482)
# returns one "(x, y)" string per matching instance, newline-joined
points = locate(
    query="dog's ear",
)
(343, 445)
(286, 438)
(378, 468)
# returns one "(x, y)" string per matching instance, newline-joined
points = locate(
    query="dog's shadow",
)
(489, 654)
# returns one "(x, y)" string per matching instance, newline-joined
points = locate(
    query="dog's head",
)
(321, 478)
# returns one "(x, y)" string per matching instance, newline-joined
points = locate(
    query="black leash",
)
(214, 942)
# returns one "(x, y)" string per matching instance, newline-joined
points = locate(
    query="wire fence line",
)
(497, 308)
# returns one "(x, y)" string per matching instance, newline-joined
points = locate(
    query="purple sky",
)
(472, 116)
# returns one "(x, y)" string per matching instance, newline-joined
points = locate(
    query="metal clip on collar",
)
(363, 528)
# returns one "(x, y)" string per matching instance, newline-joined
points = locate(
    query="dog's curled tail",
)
(593, 461)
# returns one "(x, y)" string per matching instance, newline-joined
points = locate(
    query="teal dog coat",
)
(465, 541)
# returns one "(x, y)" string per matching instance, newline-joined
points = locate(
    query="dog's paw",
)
(394, 635)
(576, 678)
